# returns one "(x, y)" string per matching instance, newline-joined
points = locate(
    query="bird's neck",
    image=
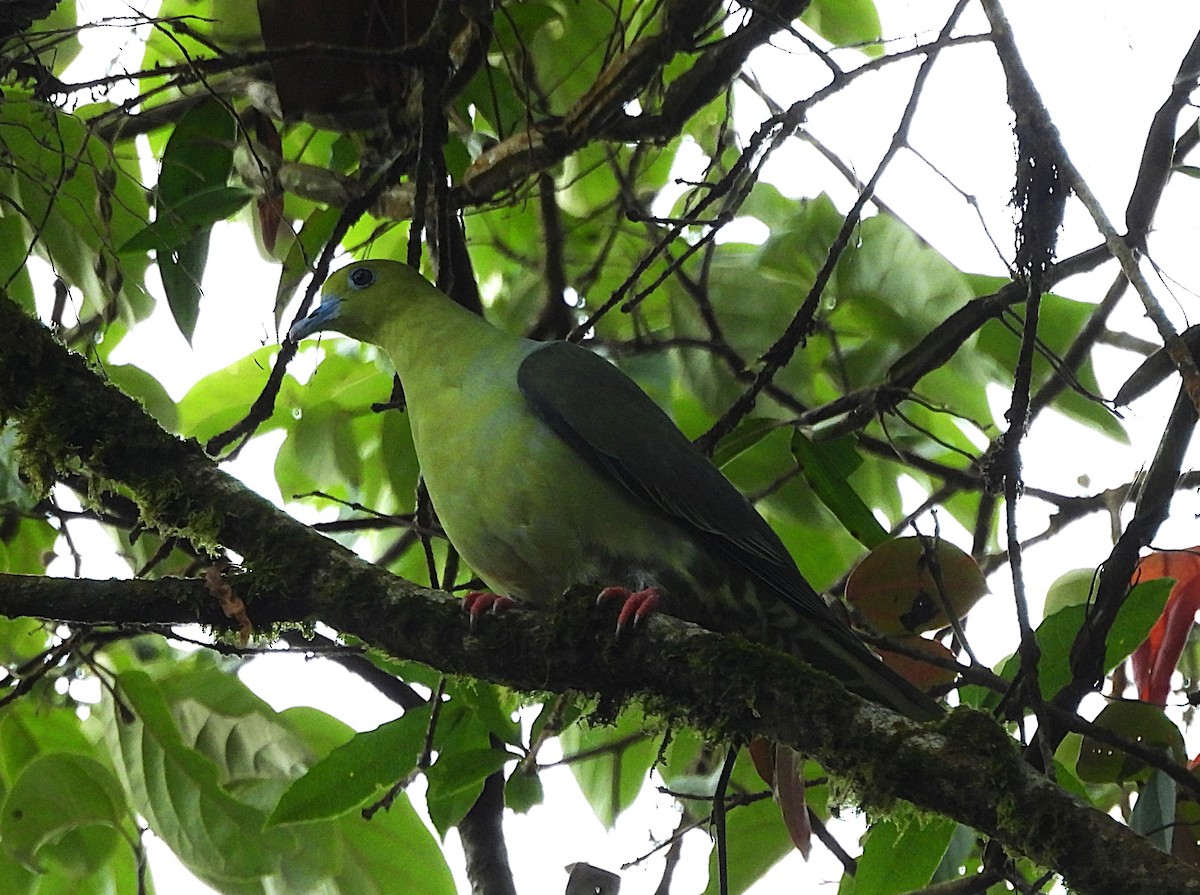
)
(436, 344)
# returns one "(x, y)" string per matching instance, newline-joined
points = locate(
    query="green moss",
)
(41, 452)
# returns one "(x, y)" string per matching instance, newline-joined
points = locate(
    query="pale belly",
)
(527, 514)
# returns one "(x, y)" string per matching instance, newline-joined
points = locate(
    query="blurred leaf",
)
(1185, 843)
(618, 759)
(321, 454)
(826, 466)
(1138, 722)
(1153, 814)
(195, 213)
(895, 588)
(846, 23)
(205, 762)
(456, 780)
(85, 862)
(1056, 634)
(303, 255)
(137, 383)
(14, 253)
(56, 796)
(53, 39)
(744, 436)
(899, 856)
(222, 398)
(20, 640)
(356, 772)
(13, 490)
(28, 732)
(76, 199)
(399, 459)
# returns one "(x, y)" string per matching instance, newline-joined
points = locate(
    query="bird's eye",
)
(361, 277)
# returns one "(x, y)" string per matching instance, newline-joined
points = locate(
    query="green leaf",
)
(14, 255)
(27, 549)
(492, 706)
(356, 772)
(179, 793)
(198, 155)
(399, 457)
(958, 852)
(52, 40)
(20, 640)
(744, 436)
(846, 23)
(182, 272)
(619, 758)
(1154, 813)
(826, 466)
(197, 212)
(137, 383)
(190, 197)
(523, 790)
(55, 796)
(757, 838)
(74, 198)
(900, 857)
(1073, 588)
(205, 761)
(28, 731)
(88, 861)
(222, 398)
(1059, 322)
(1139, 722)
(303, 255)
(456, 780)
(322, 453)
(1056, 635)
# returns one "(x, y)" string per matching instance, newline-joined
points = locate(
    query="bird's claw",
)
(635, 604)
(481, 602)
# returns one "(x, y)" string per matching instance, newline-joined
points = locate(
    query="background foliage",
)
(613, 173)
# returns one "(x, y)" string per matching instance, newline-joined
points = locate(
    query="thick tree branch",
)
(965, 767)
(72, 425)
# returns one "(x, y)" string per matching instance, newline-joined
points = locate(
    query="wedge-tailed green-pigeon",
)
(549, 468)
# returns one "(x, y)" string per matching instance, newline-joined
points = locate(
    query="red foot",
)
(480, 602)
(636, 604)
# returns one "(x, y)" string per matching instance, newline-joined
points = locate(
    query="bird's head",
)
(359, 299)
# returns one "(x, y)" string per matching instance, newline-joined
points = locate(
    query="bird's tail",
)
(848, 659)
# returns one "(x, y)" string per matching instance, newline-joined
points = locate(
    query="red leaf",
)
(781, 769)
(1156, 659)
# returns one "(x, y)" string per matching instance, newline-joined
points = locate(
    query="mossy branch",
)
(965, 767)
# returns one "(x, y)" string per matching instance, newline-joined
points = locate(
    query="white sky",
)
(1102, 66)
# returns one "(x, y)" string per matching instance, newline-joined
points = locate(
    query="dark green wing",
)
(613, 425)
(619, 430)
